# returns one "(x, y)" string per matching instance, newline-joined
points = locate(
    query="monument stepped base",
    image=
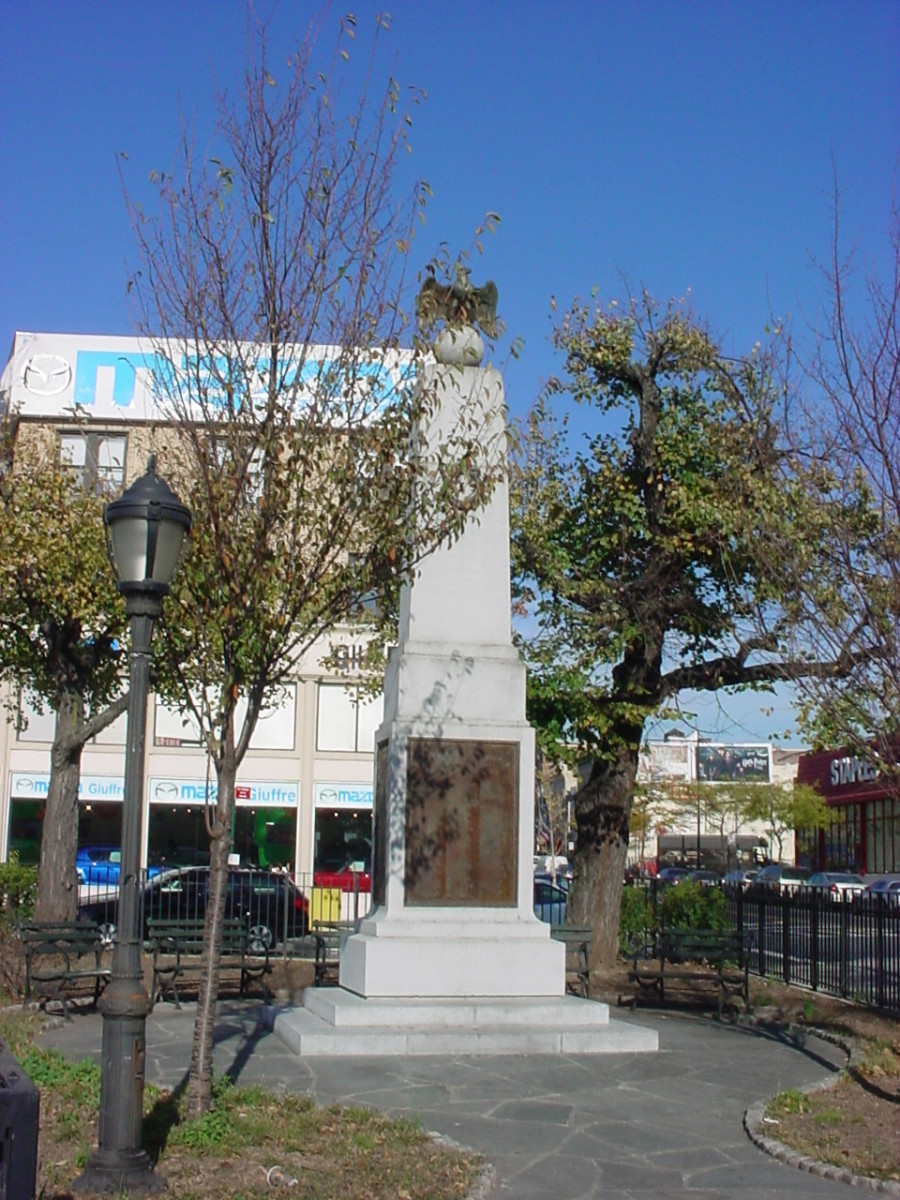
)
(338, 1023)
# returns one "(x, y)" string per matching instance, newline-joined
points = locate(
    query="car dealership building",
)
(304, 788)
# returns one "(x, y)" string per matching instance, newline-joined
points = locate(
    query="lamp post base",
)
(119, 1164)
(116, 1172)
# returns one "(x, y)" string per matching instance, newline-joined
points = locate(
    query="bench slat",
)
(177, 947)
(54, 959)
(726, 954)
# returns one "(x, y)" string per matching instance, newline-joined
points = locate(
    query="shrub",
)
(18, 886)
(690, 905)
(636, 920)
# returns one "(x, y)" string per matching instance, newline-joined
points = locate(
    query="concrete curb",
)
(754, 1124)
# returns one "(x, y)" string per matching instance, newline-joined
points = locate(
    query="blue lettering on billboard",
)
(274, 794)
(197, 791)
(211, 374)
(96, 787)
(356, 799)
(125, 366)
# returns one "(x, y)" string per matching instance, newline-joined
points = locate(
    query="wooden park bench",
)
(577, 939)
(717, 958)
(62, 956)
(177, 946)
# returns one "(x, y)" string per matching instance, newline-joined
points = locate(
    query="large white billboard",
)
(54, 375)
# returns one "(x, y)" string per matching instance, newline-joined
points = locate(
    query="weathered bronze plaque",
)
(462, 822)
(380, 850)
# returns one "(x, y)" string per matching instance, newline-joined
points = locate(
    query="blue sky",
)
(686, 146)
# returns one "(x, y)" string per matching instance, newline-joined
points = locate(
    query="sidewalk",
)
(567, 1127)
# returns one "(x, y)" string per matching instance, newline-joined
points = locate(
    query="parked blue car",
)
(99, 866)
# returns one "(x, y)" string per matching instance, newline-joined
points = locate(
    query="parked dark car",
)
(270, 902)
(738, 881)
(559, 880)
(705, 878)
(670, 875)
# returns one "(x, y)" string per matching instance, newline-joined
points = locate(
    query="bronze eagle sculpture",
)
(458, 303)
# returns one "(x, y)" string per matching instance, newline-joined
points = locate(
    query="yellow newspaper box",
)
(324, 904)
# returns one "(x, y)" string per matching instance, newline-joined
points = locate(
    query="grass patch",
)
(788, 1104)
(880, 1060)
(828, 1116)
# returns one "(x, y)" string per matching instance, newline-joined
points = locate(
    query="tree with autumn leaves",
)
(649, 554)
(274, 288)
(275, 294)
(62, 631)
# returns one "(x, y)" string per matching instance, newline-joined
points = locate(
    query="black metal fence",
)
(848, 948)
(278, 908)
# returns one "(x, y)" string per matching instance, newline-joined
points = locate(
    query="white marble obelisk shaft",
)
(456, 679)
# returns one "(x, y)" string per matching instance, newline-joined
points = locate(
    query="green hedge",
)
(689, 905)
(637, 919)
(18, 887)
(686, 905)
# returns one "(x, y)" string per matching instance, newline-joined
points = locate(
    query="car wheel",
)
(107, 933)
(260, 939)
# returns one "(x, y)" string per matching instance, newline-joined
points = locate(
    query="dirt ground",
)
(289, 977)
(771, 1004)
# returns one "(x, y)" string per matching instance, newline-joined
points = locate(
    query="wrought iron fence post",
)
(762, 918)
(880, 997)
(844, 918)
(286, 912)
(785, 936)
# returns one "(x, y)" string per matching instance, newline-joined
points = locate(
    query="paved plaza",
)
(561, 1127)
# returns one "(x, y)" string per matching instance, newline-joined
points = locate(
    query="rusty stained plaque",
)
(462, 822)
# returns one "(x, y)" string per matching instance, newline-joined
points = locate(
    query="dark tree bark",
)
(602, 814)
(57, 896)
(201, 1073)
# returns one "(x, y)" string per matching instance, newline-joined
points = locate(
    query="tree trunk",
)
(57, 892)
(602, 814)
(199, 1097)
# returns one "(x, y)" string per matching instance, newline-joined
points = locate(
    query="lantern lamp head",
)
(145, 531)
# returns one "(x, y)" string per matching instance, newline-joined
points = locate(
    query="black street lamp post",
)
(145, 530)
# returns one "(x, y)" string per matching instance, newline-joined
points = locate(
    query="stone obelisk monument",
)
(454, 773)
(452, 959)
